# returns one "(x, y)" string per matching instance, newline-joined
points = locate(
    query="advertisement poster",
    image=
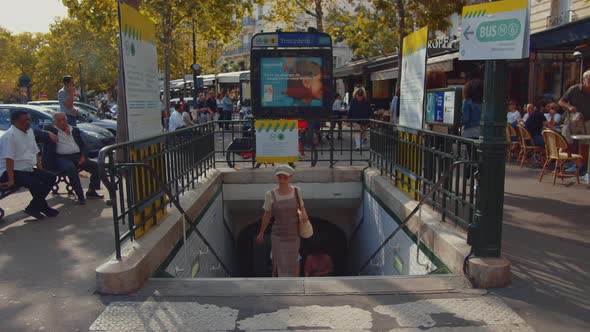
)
(413, 77)
(140, 67)
(449, 108)
(440, 107)
(291, 81)
(277, 141)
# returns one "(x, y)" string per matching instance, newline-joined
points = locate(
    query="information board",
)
(277, 141)
(413, 79)
(140, 68)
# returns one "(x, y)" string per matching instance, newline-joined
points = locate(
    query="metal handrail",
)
(415, 210)
(176, 203)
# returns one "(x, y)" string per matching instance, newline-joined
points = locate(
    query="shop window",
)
(571, 74)
(548, 78)
(381, 89)
(518, 77)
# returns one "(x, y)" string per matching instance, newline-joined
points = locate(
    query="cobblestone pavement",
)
(437, 312)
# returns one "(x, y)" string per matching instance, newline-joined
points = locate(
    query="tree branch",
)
(305, 10)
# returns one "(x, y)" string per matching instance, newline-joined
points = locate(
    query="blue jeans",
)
(226, 116)
(71, 120)
(539, 140)
(69, 164)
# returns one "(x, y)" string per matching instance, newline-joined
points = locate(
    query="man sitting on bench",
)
(69, 155)
(18, 158)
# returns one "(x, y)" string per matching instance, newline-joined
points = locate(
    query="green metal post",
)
(492, 160)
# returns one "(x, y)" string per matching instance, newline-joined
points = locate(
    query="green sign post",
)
(487, 236)
(493, 31)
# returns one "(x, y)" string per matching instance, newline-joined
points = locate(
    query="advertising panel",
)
(413, 79)
(441, 106)
(291, 82)
(291, 75)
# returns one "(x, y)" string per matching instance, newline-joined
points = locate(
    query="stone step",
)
(303, 286)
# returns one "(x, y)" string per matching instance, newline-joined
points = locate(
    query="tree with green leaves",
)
(377, 27)
(19, 56)
(295, 14)
(73, 47)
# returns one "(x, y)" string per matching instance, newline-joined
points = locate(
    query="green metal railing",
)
(145, 177)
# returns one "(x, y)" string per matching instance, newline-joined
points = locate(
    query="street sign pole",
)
(194, 90)
(492, 160)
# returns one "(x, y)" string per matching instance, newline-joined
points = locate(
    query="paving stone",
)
(165, 316)
(489, 310)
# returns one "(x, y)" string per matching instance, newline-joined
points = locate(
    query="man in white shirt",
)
(175, 121)
(69, 156)
(18, 159)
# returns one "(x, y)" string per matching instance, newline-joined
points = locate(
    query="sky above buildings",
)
(30, 15)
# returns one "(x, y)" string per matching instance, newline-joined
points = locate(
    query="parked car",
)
(80, 106)
(84, 115)
(93, 136)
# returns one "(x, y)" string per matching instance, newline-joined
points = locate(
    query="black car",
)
(93, 136)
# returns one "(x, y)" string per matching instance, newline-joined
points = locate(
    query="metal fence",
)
(414, 159)
(324, 143)
(177, 160)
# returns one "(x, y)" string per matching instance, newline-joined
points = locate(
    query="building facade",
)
(559, 53)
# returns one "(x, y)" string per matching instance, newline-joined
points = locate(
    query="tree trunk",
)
(401, 10)
(319, 18)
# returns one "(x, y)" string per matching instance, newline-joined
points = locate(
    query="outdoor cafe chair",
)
(512, 142)
(528, 149)
(557, 149)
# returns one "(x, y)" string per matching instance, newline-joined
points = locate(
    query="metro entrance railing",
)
(415, 160)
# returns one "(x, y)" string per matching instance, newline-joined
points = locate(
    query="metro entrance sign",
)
(495, 30)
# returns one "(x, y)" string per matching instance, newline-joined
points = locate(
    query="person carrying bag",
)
(290, 224)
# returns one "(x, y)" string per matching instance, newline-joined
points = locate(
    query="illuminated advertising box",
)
(291, 75)
(443, 106)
